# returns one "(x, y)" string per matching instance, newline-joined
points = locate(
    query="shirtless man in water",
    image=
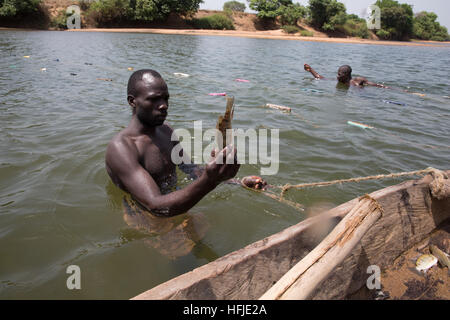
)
(345, 77)
(138, 159)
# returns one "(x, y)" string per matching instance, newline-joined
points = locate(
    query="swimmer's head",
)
(148, 95)
(344, 73)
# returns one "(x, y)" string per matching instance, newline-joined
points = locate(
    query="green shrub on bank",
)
(383, 34)
(17, 8)
(306, 33)
(441, 37)
(290, 14)
(106, 12)
(23, 14)
(60, 21)
(355, 27)
(267, 9)
(335, 22)
(286, 10)
(228, 13)
(117, 12)
(425, 27)
(290, 29)
(327, 14)
(216, 21)
(396, 20)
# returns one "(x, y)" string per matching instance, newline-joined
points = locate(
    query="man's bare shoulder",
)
(122, 140)
(359, 81)
(121, 146)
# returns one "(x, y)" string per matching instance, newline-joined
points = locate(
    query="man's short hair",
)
(346, 68)
(136, 77)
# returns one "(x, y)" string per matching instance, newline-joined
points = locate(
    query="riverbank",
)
(269, 34)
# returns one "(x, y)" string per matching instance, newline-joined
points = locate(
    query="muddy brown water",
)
(59, 208)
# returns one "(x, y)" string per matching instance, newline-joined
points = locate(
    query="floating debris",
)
(419, 94)
(130, 69)
(217, 94)
(241, 80)
(26, 57)
(282, 108)
(224, 122)
(394, 102)
(88, 63)
(182, 75)
(254, 182)
(73, 74)
(43, 69)
(442, 256)
(312, 90)
(359, 125)
(57, 60)
(425, 262)
(104, 79)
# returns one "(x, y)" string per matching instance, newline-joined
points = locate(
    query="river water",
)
(59, 208)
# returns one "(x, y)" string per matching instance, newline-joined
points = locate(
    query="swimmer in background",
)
(345, 77)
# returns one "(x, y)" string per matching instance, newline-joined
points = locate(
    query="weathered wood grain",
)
(300, 281)
(410, 214)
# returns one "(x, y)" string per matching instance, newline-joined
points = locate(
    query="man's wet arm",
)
(144, 189)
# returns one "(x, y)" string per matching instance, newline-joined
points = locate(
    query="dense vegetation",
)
(426, 27)
(17, 8)
(215, 21)
(397, 19)
(327, 14)
(23, 13)
(288, 11)
(399, 23)
(290, 29)
(234, 6)
(105, 12)
(354, 26)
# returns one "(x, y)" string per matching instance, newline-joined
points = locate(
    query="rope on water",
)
(435, 172)
(276, 197)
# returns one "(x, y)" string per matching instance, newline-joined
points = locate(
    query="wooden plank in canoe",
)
(410, 214)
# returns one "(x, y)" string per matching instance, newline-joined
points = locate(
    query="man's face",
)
(344, 75)
(152, 100)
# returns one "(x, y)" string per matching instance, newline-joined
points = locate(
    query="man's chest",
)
(155, 157)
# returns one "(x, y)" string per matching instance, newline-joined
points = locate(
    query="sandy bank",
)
(270, 34)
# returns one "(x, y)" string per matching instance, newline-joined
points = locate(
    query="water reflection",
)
(173, 237)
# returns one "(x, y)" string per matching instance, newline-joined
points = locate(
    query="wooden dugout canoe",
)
(410, 214)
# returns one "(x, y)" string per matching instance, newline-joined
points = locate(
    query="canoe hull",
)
(410, 215)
